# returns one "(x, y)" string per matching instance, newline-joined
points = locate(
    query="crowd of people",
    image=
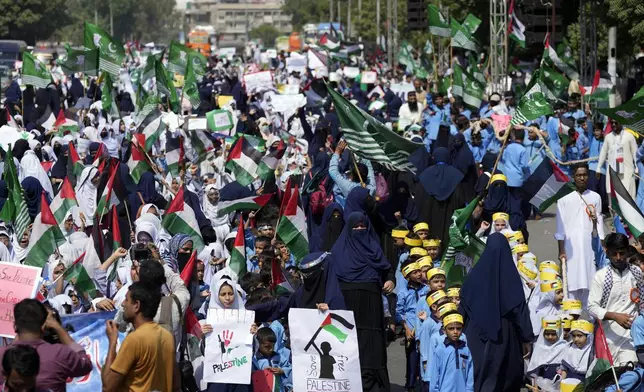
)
(378, 239)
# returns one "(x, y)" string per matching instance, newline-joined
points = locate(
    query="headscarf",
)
(91, 134)
(31, 167)
(492, 288)
(461, 155)
(545, 353)
(330, 228)
(172, 255)
(5, 255)
(356, 201)
(144, 226)
(487, 164)
(399, 201)
(19, 253)
(577, 358)
(214, 297)
(319, 283)
(321, 162)
(545, 308)
(357, 253)
(498, 199)
(20, 148)
(59, 170)
(441, 179)
(32, 192)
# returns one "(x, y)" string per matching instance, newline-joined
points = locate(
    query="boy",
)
(265, 229)
(410, 241)
(20, 367)
(422, 230)
(433, 247)
(261, 243)
(435, 282)
(429, 323)
(398, 235)
(451, 367)
(284, 254)
(278, 362)
(425, 263)
(406, 313)
(454, 294)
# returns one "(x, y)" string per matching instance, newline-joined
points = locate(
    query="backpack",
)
(382, 188)
(321, 198)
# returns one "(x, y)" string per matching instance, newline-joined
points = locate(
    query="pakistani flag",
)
(458, 81)
(238, 253)
(437, 23)
(180, 56)
(404, 56)
(291, 227)
(555, 82)
(15, 208)
(473, 92)
(462, 38)
(471, 23)
(550, 57)
(247, 203)
(190, 88)
(163, 83)
(533, 104)
(428, 49)
(34, 72)
(45, 236)
(630, 114)
(624, 205)
(108, 97)
(180, 218)
(110, 51)
(81, 60)
(64, 201)
(370, 139)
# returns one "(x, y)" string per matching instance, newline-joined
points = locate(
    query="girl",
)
(550, 304)
(548, 352)
(579, 353)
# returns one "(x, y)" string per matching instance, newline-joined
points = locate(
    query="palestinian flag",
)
(11, 121)
(137, 162)
(265, 380)
(80, 278)
(174, 153)
(516, 29)
(180, 218)
(546, 185)
(243, 160)
(45, 236)
(201, 143)
(192, 324)
(291, 227)
(624, 205)
(337, 326)
(279, 283)
(601, 87)
(603, 358)
(74, 161)
(152, 126)
(270, 161)
(329, 43)
(238, 254)
(247, 203)
(115, 230)
(109, 197)
(65, 126)
(47, 119)
(64, 201)
(550, 56)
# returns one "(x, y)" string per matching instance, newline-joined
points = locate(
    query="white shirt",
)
(407, 117)
(574, 227)
(619, 301)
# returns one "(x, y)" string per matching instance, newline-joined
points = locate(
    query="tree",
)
(306, 11)
(267, 33)
(32, 20)
(629, 19)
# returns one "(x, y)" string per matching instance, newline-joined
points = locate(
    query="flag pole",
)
(498, 158)
(355, 165)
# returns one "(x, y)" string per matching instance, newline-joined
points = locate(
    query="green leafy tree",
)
(32, 20)
(266, 32)
(629, 19)
(306, 11)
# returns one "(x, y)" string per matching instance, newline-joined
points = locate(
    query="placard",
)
(17, 282)
(296, 64)
(368, 77)
(258, 81)
(324, 346)
(229, 347)
(219, 120)
(223, 100)
(351, 72)
(501, 122)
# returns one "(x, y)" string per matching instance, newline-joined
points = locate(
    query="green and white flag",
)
(554, 84)
(34, 72)
(462, 38)
(473, 92)
(471, 23)
(370, 139)
(551, 57)
(437, 22)
(110, 51)
(404, 56)
(45, 236)
(108, 97)
(162, 81)
(458, 81)
(181, 55)
(630, 114)
(15, 208)
(533, 104)
(428, 49)
(83, 60)
(190, 88)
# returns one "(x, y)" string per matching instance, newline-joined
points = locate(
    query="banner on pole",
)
(18, 282)
(257, 82)
(325, 351)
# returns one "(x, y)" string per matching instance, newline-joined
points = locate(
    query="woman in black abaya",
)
(463, 159)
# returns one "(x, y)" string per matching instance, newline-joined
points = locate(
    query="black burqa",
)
(463, 159)
(497, 319)
(438, 194)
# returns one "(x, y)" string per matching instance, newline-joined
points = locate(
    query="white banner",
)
(368, 77)
(325, 351)
(258, 81)
(401, 89)
(351, 72)
(229, 347)
(296, 63)
(287, 104)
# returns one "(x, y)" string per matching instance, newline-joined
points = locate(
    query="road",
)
(542, 244)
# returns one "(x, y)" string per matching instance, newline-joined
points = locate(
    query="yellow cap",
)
(527, 270)
(569, 384)
(409, 268)
(425, 261)
(417, 251)
(431, 243)
(551, 285)
(583, 326)
(446, 308)
(518, 236)
(548, 275)
(571, 304)
(565, 321)
(500, 215)
(551, 323)
(549, 264)
(498, 177)
(520, 248)
(435, 271)
(421, 226)
(435, 296)
(452, 318)
(399, 233)
(508, 234)
(454, 292)
(413, 241)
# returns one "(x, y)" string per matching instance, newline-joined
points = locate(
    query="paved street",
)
(542, 244)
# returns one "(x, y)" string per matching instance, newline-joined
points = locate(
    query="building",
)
(233, 19)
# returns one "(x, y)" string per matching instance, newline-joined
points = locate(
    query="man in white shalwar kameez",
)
(610, 298)
(574, 233)
(618, 151)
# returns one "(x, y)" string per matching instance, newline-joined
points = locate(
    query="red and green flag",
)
(247, 203)
(279, 282)
(175, 154)
(291, 227)
(64, 201)
(80, 278)
(335, 325)
(238, 253)
(243, 160)
(117, 242)
(137, 162)
(109, 197)
(64, 125)
(74, 161)
(270, 161)
(45, 236)
(180, 218)
(603, 358)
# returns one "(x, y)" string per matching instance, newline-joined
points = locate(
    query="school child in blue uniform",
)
(429, 323)
(435, 282)
(432, 245)
(278, 362)
(411, 241)
(452, 369)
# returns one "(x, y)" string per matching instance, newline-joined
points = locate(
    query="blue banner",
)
(90, 333)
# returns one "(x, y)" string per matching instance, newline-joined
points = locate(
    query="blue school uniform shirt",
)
(534, 150)
(401, 282)
(452, 368)
(279, 359)
(406, 305)
(278, 329)
(343, 185)
(424, 333)
(595, 148)
(577, 114)
(430, 346)
(514, 164)
(552, 127)
(431, 122)
(494, 145)
(630, 381)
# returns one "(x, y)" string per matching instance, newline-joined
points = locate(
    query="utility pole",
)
(349, 27)
(378, 22)
(331, 11)
(339, 17)
(498, 45)
(394, 25)
(111, 20)
(389, 36)
(95, 14)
